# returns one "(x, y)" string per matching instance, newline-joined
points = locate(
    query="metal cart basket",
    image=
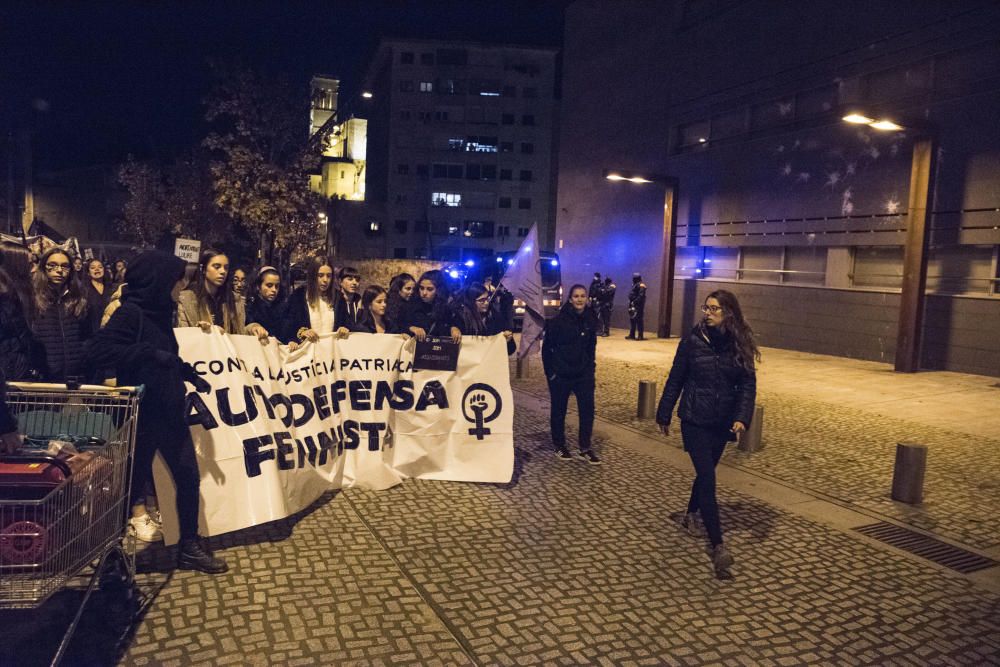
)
(53, 535)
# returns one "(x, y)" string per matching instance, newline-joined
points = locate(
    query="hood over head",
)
(150, 278)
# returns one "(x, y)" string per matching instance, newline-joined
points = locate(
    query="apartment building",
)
(461, 153)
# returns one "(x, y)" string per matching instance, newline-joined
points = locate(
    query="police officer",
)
(636, 307)
(607, 305)
(595, 291)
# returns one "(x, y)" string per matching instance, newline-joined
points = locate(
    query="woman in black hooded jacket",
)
(713, 375)
(569, 352)
(139, 343)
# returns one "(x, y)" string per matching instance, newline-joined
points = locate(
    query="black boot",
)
(192, 555)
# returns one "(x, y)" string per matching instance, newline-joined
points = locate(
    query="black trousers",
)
(705, 446)
(177, 449)
(559, 391)
(606, 320)
(635, 325)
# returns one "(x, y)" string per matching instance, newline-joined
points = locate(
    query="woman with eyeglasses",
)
(475, 317)
(714, 376)
(61, 322)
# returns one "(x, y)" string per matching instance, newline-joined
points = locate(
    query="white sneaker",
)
(146, 528)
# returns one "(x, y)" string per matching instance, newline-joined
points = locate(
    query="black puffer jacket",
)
(569, 348)
(713, 389)
(62, 336)
(139, 343)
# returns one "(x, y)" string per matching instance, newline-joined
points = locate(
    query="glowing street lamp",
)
(921, 200)
(669, 239)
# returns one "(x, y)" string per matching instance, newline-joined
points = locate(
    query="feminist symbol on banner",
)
(477, 399)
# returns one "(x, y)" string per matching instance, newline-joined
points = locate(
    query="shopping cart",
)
(72, 515)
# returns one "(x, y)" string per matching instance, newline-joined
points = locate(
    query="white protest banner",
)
(187, 249)
(278, 429)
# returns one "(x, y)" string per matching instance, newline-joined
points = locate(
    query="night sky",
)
(120, 78)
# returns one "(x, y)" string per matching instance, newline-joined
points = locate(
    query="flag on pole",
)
(523, 279)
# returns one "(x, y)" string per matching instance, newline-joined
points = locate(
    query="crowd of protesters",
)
(66, 320)
(63, 319)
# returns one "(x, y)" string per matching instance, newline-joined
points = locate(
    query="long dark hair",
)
(747, 354)
(394, 303)
(72, 298)
(225, 295)
(475, 323)
(253, 293)
(567, 306)
(106, 280)
(439, 307)
(15, 276)
(371, 293)
(348, 272)
(312, 281)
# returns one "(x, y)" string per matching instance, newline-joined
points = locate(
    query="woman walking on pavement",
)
(713, 375)
(568, 356)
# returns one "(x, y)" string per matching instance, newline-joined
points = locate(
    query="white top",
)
(321, 317)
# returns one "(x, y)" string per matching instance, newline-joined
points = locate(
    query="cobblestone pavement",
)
(844, 452)
(568, 564)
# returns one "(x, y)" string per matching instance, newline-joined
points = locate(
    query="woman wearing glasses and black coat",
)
(714, 376)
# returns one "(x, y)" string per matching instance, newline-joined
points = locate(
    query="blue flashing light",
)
(707, 261)
(509, 262)
(453, 273)
(470, 263)
(554, 262)
(499, 259)
(697, 270)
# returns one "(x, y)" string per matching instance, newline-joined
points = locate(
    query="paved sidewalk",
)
(831, 426)
(569, 564)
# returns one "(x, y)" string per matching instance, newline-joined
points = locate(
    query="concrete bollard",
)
(752, 440)
(647, 400)
(908, 473)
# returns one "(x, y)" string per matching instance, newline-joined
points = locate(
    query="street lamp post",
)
(915, 251)
(669, 239)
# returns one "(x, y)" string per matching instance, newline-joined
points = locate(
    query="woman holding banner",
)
(312, 308)
(211, 300)
(401, 289)
(476, 318)
(430, 315)
(713, 376)
(373, 305)
(569, 352)
(265, 305)
(139, 343)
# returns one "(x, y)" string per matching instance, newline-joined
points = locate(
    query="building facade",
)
(461, 153)
(801, 214)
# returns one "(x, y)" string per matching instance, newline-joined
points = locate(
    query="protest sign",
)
(280, 428)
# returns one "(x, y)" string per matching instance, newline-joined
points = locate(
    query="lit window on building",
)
(481, 144)
(452, 230)
(478, 229)
(427, 86)
(456, 144)
(446, 198)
